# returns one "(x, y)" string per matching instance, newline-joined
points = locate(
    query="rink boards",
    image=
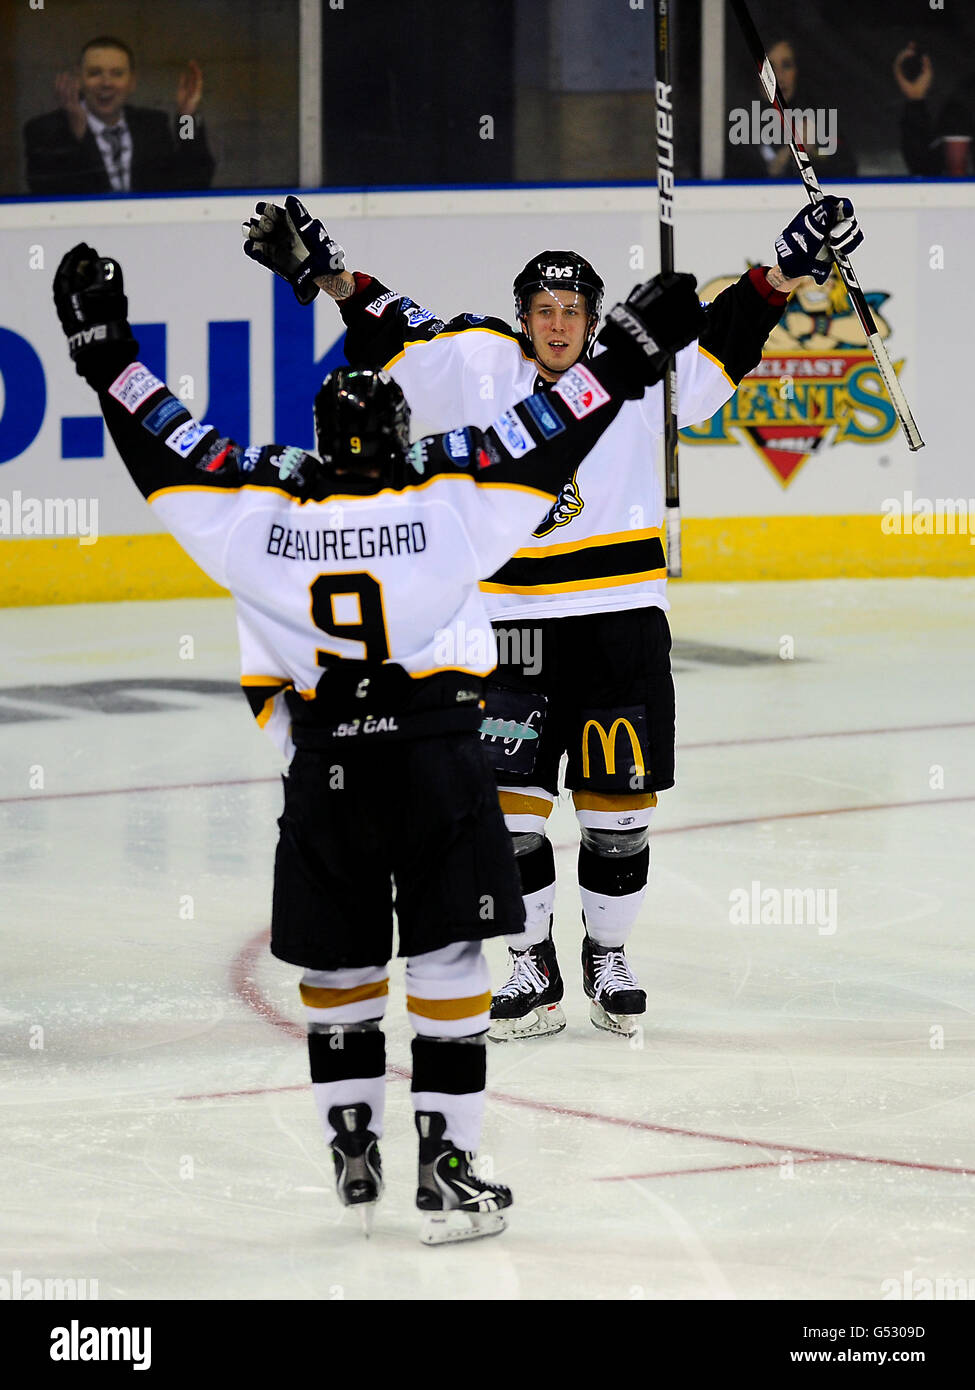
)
(803, 475)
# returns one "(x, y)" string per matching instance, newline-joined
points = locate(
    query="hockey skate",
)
(527, 1006)
(358, 1167)
(616, 999)
(456, 1203)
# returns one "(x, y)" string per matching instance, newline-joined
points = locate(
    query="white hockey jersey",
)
(600, 548)
(359, 611)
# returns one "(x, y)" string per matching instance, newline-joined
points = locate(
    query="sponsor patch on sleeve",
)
(458, 445)
(186, 436)
(164, 414)
(513, 434)
(544, 416)
(581, 391)
(135, 385)
(377, 306)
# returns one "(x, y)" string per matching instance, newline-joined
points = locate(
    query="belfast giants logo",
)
(224, 398)
(817, 383)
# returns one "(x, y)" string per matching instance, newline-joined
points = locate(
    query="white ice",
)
(797, 1121)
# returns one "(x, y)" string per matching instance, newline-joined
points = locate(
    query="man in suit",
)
(96, 143)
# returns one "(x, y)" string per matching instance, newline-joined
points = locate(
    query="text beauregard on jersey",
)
(346, 543)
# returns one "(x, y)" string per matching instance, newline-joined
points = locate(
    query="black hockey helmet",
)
(362, 421)
(559, 270)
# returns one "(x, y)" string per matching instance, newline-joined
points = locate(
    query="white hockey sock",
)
(609, 920)
(538, 914)
(368, 1090)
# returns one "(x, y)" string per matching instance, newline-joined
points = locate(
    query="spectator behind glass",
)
(932, 148)
(95, 143)
(774, 161)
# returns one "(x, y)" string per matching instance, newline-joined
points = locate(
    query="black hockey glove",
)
(91, 304)
(803, 248)
(293, 244)
(657, 320)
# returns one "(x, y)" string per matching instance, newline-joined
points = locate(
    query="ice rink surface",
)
(796, 1120)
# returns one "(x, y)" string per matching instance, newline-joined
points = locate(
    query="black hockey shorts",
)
(603, 693)
(421, 815)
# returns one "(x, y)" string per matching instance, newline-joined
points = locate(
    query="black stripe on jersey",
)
(739, 321)
(259, 695)
(376, 339)
(590, 562)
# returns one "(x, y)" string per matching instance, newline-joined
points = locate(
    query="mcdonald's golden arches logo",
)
(608, 743)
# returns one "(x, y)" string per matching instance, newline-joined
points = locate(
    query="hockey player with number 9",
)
(346, 570)
(585, 592)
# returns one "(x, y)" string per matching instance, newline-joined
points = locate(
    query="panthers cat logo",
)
(568, 505)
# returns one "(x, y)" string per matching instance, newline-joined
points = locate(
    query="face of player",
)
(558, 322)
(783, 60)
(107, 82)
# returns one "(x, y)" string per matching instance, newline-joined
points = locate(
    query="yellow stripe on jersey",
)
(449, 1008)
(266, 710)
(317, 997)
(609, 582)
(229, 491)
(454, 332)
(720, 366)
(265, 680)
(464, 670)
(535, 552)
(350, 496)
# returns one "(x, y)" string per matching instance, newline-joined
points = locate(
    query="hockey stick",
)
(664, 132)
(806, 172)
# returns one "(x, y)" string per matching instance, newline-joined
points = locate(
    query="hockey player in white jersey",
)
(579, 610)
(349, 571)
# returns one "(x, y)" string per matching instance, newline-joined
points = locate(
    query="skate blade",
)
(623, 1025)
(539, 1023)
(448, 1227)
(366, 1212)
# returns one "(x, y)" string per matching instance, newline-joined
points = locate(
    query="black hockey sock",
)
(340, 1052)
(615, 876)
(536, 867)
(449, 1077)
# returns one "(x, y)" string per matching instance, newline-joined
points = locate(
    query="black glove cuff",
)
(99, 360)
(624, 370)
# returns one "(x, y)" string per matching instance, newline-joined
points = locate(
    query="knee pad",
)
(526, 842)
(535, 858)
(615, 843)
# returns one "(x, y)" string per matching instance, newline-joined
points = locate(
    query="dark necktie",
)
(113, 134)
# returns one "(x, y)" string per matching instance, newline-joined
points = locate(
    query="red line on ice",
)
(689, 1172)
(245, 987)
(716, 743)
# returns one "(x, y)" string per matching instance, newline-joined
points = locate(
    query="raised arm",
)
(385, 329)
(190, 474)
